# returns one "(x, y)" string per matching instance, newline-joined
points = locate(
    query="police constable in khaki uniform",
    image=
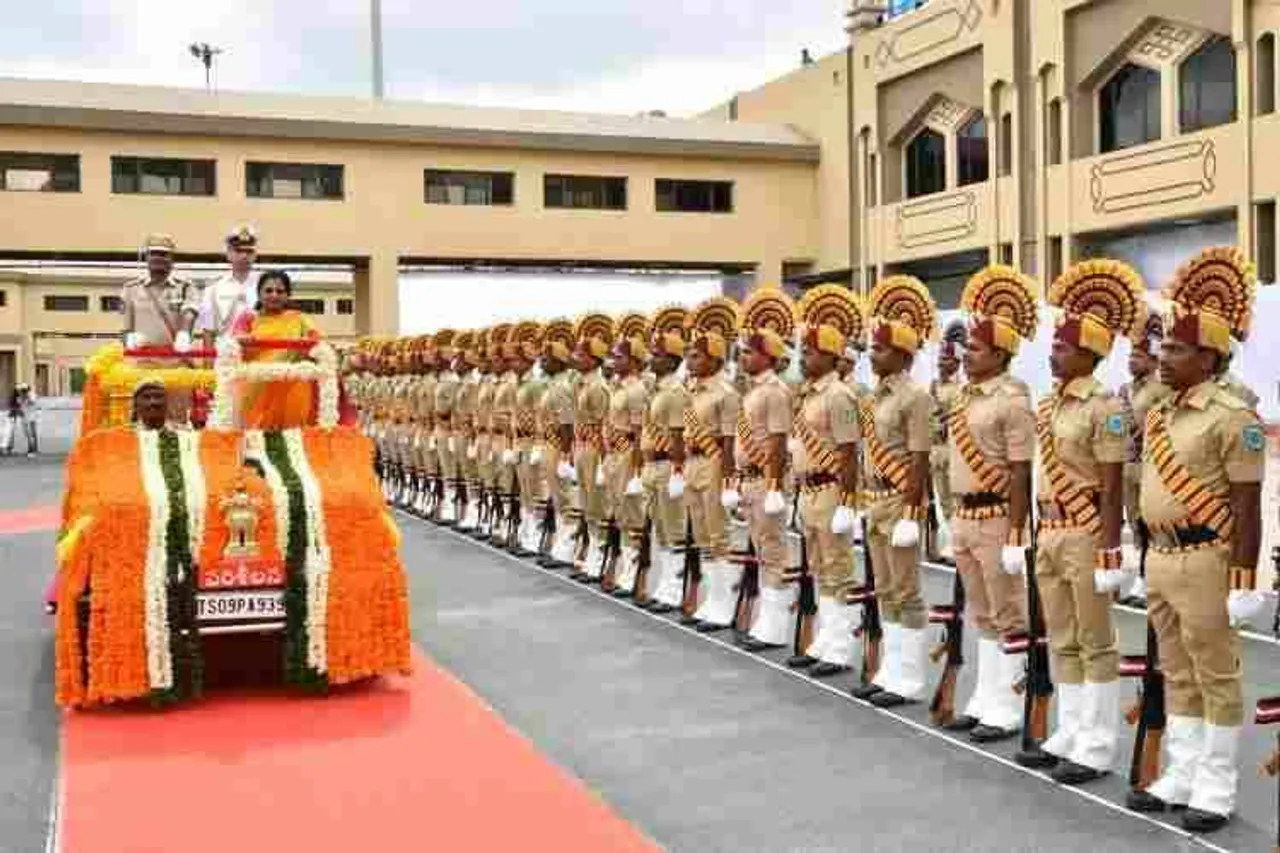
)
(711, 423)
(992, 444)
(530, 472)
(1083, 443)
(446, 399)
(1201, 485)
(896, 443)
(426, 460)
(487, 385)
(464, 416)
(624, 490)
(824, 457)
(591, 407)
(768, 320)
(662, 443)
(555, 425)
(502, 423)
(944, 390)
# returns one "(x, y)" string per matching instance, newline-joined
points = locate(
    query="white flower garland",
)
(318, 559)
(155, 571)
(230, 370)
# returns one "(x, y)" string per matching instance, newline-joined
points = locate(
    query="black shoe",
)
(866, 691)
(990, 734)
(689, 620)
(888, 699)
(1070, 773)
(800, 661)
(826, 670)
(659, 607)
(709, 627)
(586, 578)
(619, 592)
(1037, 759)
(1145, 802)
(962, 723)
(751, 644)
(1196, 820)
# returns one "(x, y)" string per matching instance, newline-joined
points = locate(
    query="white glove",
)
(1244, 604)
(1106, 581)
(508, 457)
(1013, 559)
(133, 340)
(675, 486)
(182, 341)
(842, 521)
(472, 453)
(1138, 589)
(565, 471)
(905, 534)
(431, 443)
(536, 456)
(729, 499)
(635, 487)
(452, 444)
(774, 503)
(599, 476)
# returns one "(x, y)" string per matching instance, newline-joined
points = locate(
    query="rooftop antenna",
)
(205, 54)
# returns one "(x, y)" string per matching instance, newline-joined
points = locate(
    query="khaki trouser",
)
(666, 512)
(626, 510)
(897, 570)
(446, 451)
(766, 533)
(504, 471)
(467, 462)
(998, 601)
(533, 478)
(1082, 640)
(830, 555)
(558, 491)
(940, 470)
(484, 461)
(1132, 482)
(1199, 650)
(702, 486)
(586, 461)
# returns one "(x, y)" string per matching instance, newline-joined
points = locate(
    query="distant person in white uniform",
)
(228, 296)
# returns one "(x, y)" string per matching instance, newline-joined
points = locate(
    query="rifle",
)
(806, 605)
(609, 555)
(546, 533)
(514, 515)
(460, 500)
(692, 574)
(748, 588)
(644, 562)
(942, 708)
(1148, 713)
(871, 631)
(1037, 685)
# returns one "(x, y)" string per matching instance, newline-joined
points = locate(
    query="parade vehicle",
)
(255, 541)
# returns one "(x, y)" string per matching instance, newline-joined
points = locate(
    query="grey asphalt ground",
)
(703, 747)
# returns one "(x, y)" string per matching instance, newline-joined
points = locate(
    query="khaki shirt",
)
(1232, 383)
(447, 386)
(830, 410)
(902, 409)
(528, 395)
(591, 403)
(1138, 398)
(158, 309)
(464, 408)
(504, 403)
(1089, 431)
(487, 384)
(627, 404)
(665, 414)
(1003, 426)
(715, 404)
(767, 412)
(945, 395)
(1216, 437)
(555, 406)
(425, 402)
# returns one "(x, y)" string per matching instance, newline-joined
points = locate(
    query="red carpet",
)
(411, 764)
(30, 520)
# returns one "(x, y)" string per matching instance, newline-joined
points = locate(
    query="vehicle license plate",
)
(239, 604)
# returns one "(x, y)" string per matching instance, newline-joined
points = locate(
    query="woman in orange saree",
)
(276, 405)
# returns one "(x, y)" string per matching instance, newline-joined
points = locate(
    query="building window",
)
(1130, 108)
(111, 304)
(1266, 242)
(159, 176)
(66, 303)
(585, 192)
(971, 151)
(694, 196)
(49, 173)
(926, 164)
(75, 380)
(1006, 254)
(346, 307)
(1267, 74)
(1055, 259)
(469, 188)
(1207, 87)
(1006, 145)
(293, 180)
(1053, 132)
(310, 306)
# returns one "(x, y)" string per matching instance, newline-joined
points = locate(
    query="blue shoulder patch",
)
(1254, 438)
(1115, 424)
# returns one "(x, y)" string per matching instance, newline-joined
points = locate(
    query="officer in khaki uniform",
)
(446, 398)
(711, 422)
(623, 488)
(945, 391)
(464, 415)
(502, 434)
(530, 470)
(824, 449)
(555, 425)
(426, 460)
(992, 445)
(768, 320)
(591, 407)
(1201, 486)
(1083, 443)
(485, 471)
(896, 442)
(662, 443)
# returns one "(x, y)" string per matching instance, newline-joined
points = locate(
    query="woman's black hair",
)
(273, 275)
